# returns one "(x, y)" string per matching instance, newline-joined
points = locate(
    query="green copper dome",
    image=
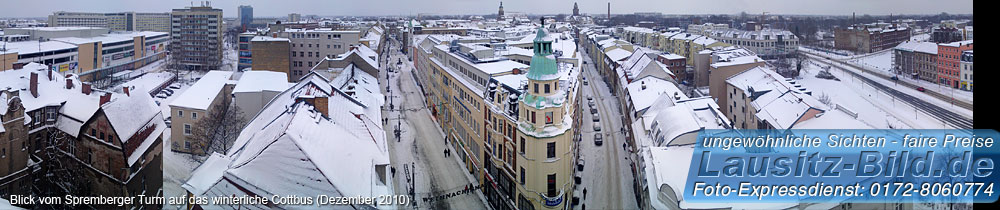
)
(543, 63)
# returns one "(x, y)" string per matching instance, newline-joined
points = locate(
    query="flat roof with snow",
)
(203, 93)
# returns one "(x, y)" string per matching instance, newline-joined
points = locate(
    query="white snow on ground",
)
(873, 107)
(881, 61)
(868, 112)
(921, 37)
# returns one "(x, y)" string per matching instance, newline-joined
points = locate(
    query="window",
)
(536, 88)
(187, 129)
(547, 88)
(522, 145)
(550, 150)
(522, 175)
(194, 115)
(187, 145)
(552, 185)
(548, 118)
(180, 113)
(532, 117)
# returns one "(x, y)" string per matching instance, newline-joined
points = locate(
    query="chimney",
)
(322, 106)
(86, 88)
(105, 99)
(49, 74)
(274, 35)
(677, 96)
(125, 89)
(643, 83)
(69, 83)
(33, 87)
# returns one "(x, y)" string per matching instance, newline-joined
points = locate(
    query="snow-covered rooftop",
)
(268, 39)
(924, 47)
(291, 137)
(645, 91)
(28, 47)
(202, 93)
(777, 101)
(130, 114)
(262, 80)
(957, 44)
(733, 55)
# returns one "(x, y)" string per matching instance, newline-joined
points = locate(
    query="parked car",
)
(593, 110)
(584, 62)
(921, 89)
(591, 103)
(175, 86)
(579, 164)
(585, 82)
(598, 139)
(169, 91)
(597, 117)
(597, 126)
(161, 95)
(895, 78)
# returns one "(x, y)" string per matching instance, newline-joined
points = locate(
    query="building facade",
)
(917, 60)
(310, 46)
(767, 43)
(966, 64)
(869, 39)
(272, 54)
(949, 62)
(197, 33)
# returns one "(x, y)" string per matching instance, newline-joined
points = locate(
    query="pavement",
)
(421, 144)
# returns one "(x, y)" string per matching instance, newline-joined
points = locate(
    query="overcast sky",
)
(272, 8)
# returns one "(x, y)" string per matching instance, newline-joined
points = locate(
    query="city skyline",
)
(263, 8)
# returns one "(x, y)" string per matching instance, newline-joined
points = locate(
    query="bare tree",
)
(59, 168)
(217, 131)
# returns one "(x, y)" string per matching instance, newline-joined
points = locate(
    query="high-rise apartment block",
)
(197, 37)
(119, 21)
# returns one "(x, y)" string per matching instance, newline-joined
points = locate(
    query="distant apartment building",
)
(966, 64)
(918, 60)
(870, 38)
(245, 17)
(294, 17)
(948, 62)
(767, 43)
(272, 54)
(310, 46)
(197, 35)
(704, 28)
(119, 21)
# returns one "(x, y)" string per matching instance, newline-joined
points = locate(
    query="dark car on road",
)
(921, 89)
